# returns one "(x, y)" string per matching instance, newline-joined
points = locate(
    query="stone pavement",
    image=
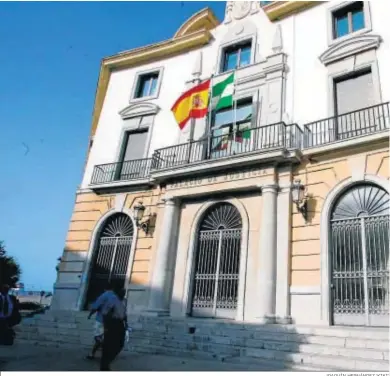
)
(25, 357)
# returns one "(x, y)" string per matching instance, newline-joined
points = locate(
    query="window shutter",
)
(135, 147)
(354, 93)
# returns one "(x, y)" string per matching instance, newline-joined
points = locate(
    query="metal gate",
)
(111, 256)
(216, 276)
(360, 258)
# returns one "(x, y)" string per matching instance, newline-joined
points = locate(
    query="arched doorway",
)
(111, 255)
(359, 257)
(217, 263)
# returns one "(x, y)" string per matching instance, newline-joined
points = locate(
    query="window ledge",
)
(143, 99)
(348, 144)
(142, 182)
(351, 46)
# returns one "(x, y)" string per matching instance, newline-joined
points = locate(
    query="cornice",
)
(204, 19)
(281, 9)
(142, 55)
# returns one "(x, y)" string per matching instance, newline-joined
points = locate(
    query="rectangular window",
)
(348, 19)
(147, 85)
(353, 94)
(231, 128)
(134, 145)
(236, 56)
(132, 164)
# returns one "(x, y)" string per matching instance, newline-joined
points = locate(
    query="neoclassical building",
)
(273, 210)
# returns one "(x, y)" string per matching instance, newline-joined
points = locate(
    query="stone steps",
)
(263, 347)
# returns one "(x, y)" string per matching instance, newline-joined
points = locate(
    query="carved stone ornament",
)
(238, 10)
(241, 9)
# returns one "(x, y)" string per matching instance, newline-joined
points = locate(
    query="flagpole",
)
(234, 104)
(195, 81)
(209, 111)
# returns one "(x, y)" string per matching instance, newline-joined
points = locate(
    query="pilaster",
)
(267, 254)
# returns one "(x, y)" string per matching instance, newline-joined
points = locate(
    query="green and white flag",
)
(222, 93)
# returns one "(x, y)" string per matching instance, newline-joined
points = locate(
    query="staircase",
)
(257, 347)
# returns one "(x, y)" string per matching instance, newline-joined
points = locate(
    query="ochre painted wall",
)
(88, 210)
(320, 176)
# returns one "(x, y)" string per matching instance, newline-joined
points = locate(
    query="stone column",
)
(267, 254)
(161, 280)
(284, 202)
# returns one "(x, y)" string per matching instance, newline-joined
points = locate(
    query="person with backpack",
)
(9, 316)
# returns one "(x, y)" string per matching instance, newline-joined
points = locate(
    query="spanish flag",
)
(192, 104)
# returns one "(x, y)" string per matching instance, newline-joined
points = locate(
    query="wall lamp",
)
(299, 198)
(139, 211)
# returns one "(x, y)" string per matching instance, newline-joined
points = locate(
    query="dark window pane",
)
(226, 116)
(230, 60)
(245, 57)
(153, 86)
(223, 117)
(244, 112)
(147, 85)
(357, 20)
(145, 88)
(341, 25)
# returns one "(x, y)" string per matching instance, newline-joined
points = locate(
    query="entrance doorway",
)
(217, 264)
(360, 257)
(111, 255)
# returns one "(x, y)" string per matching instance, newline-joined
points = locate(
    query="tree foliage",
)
(9, 269)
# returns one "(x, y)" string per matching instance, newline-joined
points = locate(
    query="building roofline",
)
(193, 33)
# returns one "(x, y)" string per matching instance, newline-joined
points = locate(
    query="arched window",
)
(217, 263)
(359, 259)
(111, 254)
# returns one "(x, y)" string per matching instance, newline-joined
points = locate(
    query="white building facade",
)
(225, 232)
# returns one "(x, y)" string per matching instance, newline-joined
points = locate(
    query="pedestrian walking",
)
(115, 326)
(97, 307)
(9, 316)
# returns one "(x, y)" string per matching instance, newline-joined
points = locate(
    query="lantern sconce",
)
(299, 197)
(139, 211)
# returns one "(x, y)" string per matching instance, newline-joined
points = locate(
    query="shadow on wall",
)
(248, 346)
(312, 204)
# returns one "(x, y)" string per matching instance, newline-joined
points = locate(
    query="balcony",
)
(137, 169)
(362, 122)
(248, 141)
(274, 143)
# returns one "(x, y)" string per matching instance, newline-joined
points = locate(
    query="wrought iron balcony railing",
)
(322, 132)
(245, 141)
(352, 124)
(136, 169)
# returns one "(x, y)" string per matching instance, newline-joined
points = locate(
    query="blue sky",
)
(50, 57)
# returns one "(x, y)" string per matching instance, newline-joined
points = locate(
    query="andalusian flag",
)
(222, 93)
(193, 104)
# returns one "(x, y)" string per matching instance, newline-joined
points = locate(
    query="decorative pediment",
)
(202, 20)
(138, 110)
(349, 47)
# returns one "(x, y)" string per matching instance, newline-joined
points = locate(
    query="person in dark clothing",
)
(9, 316)
(96, 307)
(115, 326)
